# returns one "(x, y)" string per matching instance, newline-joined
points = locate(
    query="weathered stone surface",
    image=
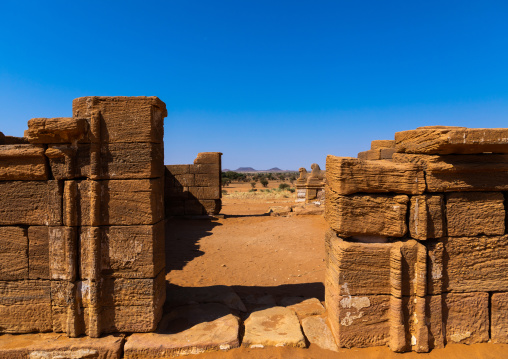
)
(122, 202)
(499, 317)
(408, 329)
(456, 140)
(187, 330)
(208, 158)
(454, 173)
(56, 130)
(474, 213)
(207, 179)
(359, 269)
(277, 326)
(126, 251)
(25, 306)
(347, 175)
(317, 332)
(205, 192)
(124, 119)
(303, 307)
(377, 154)
(382, 144)
(22, 162)
(358, 321)
(57, 346)
(466, 317)
(38, 252)
(117, 161)
(177, 169)
(377, 215)
(62, 252)
(427, 217)
(13, 253)
(465, 264)
(33, 203)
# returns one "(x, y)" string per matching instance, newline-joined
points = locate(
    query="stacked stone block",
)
(310, 187)
(194, 189)
(82, 221)
(417, 248)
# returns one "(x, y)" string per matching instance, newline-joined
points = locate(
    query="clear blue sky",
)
(268, 83)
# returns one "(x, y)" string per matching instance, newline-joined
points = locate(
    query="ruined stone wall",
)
(417, 250)
(82, 220)
(194, 189)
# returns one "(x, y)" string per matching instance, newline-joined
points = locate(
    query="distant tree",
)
(264, 182)
(253, 184)
(284, 186)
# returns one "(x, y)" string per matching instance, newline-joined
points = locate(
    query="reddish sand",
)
(258, 254)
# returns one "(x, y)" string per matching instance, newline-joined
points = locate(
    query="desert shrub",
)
(264, 182)
(253, 184)
(284, 186)
(224, 191)
(292, 190)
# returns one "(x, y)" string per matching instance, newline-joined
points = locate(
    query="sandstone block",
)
(206, 168)
(347, 175)
(62, 251)
(499, 317)
(22, 162)
(207, 179)
(303, 307)
(205, 192)
(317, 332)
(211, 206)
(174, 207)
(56, 130)
(126, 251)
(276, 326)
(208, 158)
(475, 213)
(117, 161)
(13, 253)
(427, 217)
(371, 215)
(370, 155)
(56, 346)
(124, 119)
(208, 327)
(458, 173)
(38, 252)
(359, 269)
(122, 202)
(34, 203)
(186, 180)
(382, 144)
(178, 169)
(25, 306)
(458, 140)
(193, 207)
(464, 264)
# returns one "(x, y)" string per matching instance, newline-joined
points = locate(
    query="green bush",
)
(284, 186)
(264, 182)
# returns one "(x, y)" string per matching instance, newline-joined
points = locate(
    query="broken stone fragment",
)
(187, 330)
(273, 327)
(317, 333)
(348, 175)
(303, 307)
(374, 215)
(56, 130)
(452, 140)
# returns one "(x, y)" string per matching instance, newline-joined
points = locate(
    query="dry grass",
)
(261, 194)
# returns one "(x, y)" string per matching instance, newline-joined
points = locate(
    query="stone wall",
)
(194, 189)
(417, 248)
(82, 220)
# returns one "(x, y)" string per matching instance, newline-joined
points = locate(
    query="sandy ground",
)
(256, 255)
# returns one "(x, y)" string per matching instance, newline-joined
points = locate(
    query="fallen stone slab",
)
(57, 345)
(277, 326)
(303, 307)
(318, 333)
(187, 330)
(279, 211)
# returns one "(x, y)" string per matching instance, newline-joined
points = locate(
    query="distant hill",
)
(252, 170)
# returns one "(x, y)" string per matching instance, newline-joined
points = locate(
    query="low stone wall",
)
(82, 220)
(194, 189)
(416, 252)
